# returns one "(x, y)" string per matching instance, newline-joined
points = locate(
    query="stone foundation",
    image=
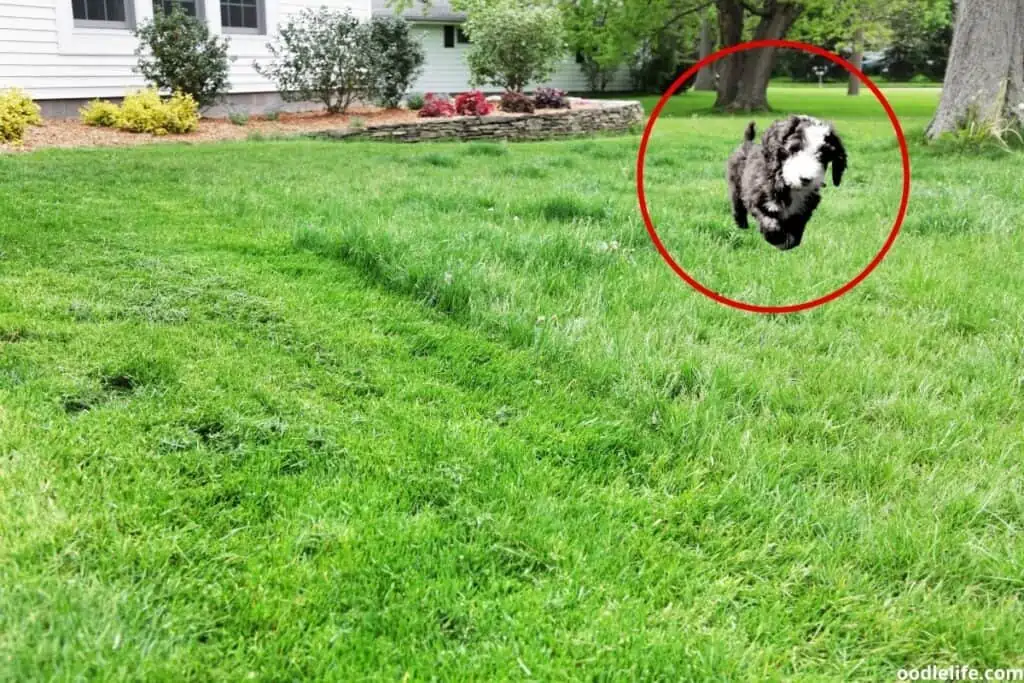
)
(602, 116)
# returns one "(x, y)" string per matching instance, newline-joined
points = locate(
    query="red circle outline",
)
(742, 305)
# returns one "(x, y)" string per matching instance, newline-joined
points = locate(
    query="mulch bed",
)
(72, 133)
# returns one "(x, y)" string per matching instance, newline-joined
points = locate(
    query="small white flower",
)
(540, 319)
(448, 277)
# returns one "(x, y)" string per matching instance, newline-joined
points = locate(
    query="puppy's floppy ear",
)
(835, 154)
(775, 153)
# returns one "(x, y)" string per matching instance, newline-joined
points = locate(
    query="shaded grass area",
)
(906, 100)
(360, 411)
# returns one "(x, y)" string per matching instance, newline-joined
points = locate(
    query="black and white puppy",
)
(778, 182)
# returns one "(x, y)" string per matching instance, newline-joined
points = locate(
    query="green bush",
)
(145, 112)
(177, 53)
(239, 118)
(398, 58)
(321, 55)
(99, 113)
(17, 113)
(414, 101)
(513, 44)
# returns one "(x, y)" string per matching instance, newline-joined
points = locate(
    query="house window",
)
(454, 34)
(189, 7)
(580, 59)
(242, 16)
(102, 13)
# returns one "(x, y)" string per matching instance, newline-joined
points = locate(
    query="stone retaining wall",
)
(610, 116)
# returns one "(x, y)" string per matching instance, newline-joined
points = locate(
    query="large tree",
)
(730, 69)
(985, 73)
(706, 76)
(743, 77)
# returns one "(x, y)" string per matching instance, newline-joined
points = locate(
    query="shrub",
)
(436, 106)
(272, 115)
(414, 101)
(177, 53)
(516, 102)
(321, 55)
(145, 112)
(397, 59)
(550, 98)
(978, 131)
(239, 118)
(472, 103)
(513, 44)
(17, 113)
(99, 113)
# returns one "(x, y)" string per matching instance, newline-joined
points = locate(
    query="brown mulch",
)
(72, 133)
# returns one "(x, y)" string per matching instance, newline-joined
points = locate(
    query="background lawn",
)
(341, 411)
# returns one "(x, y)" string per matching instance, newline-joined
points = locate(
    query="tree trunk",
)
(752, 94)
(706, 76)
(985, 73)
(730, 29)
(857, 60)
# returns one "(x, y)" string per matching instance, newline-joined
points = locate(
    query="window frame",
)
(127, 24)
(200, 7)
(461, 38)
(261, 21)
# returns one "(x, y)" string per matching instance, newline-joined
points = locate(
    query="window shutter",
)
(449, 36)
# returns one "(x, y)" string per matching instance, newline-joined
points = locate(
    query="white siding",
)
(445, 68)
(42, 52)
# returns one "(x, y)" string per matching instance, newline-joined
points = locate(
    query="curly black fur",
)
(778, 181)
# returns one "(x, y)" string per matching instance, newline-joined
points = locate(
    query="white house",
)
(445, 45)
(66, 52)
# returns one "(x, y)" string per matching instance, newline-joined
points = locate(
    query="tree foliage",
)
(653, 37)
(513, 44)
(921, 37)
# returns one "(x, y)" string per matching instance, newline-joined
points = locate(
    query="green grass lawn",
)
(344, 411)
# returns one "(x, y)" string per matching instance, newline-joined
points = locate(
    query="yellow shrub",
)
(145, 112)
(184, 113)
(99, 113)
(17, 112)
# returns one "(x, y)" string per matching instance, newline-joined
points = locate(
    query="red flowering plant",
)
(473, 103)
(435, 106)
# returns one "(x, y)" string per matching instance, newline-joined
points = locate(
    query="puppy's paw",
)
(769, 225)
